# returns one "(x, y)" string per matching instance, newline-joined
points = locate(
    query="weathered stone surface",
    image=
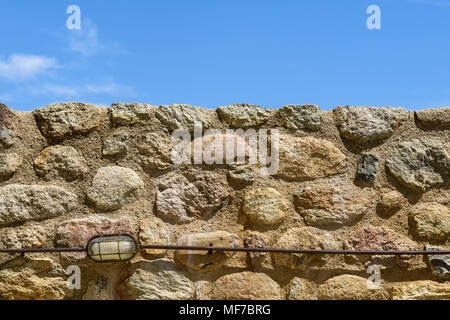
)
(180, 198)
(61, 120)
(301, 116)
(8, 127)
(366, 124)
(183, 116)
(154, 231)
(115, 145)
(391, 201)
(159, 280)
(309, 158)
(243, 115)
(380, 238)
(155, 151)
(20, 203)
(302, 289)
(350, 287)
(9, 163)
(431, 221)
(60, 162)
(326, 205)
(367, 168)
(421, 290)
(434, 118)
(265, 206)
(98, 290)
(254, 239)
(23, 237)
(77, 232)
(206, 260)
(439, 264)
(420, 164)
(244, 174)
(114, 187)
(305, 238)
(129, 113)
(245, 286)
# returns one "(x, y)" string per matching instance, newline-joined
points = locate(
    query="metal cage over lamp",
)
(112, 248)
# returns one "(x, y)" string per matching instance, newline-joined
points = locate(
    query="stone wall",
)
(350, 178)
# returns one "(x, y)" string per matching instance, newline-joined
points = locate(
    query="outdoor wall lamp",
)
(124, 247)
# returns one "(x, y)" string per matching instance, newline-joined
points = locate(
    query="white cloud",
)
(23, 67)
(109, 88)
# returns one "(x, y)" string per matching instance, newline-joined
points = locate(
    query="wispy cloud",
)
(23, 67)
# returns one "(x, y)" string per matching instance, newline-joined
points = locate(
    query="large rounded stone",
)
(301, 117)
(20, 203)
(183, 116)
(304, 238)
(60, 162)
(61, 120)
(114, 187)
(431, 221)
(366, 124)
(155, 151)
(9, 163)
(245, 286)
(350, 287)
(181, 198)
(243, 115)
(326, 205)
(265, 206)
(421, 290)
(420, 164)
(33, 236)
(129, 113)
(159, 280)
(434, 118)
(309, 158)
(206, 260)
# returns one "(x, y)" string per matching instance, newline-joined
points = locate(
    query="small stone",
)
(254, 239)
(243, 115)
(434, 118)
(420, 164)
(20, 203)
(309, 158)
(302, 289)
(245, 286)
(183, 116)
(440, 263)
(206, 260)
(421, 290)
(114, 187)
(350, 287)
(431, 221)
(61, 120)
(115, 145)
(301, 117)
(9, 163)
(333, 205)
(181, 198)
(367, 168)
(60, 162)
(367, 124)
(98, 290)
(154, 231)
(265, 206)
(7, 137)
(391, 201)
(305, 238)
(8, 127)
(244, 174)
(159, 280)
(155, 151)
(129, 113)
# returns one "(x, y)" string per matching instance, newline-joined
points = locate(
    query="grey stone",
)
(420, 164)
(440, 263)
(243, 115)
(183, 116)
(301, 117)
(129, 113)
(114, 187)
(242, 174)
(20, 203)
(366, 124)
(367, 168)
(9, 163)
(8, 127)
(116, 145)
(7, 137)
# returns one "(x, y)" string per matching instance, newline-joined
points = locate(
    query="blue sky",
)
(212, 52)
